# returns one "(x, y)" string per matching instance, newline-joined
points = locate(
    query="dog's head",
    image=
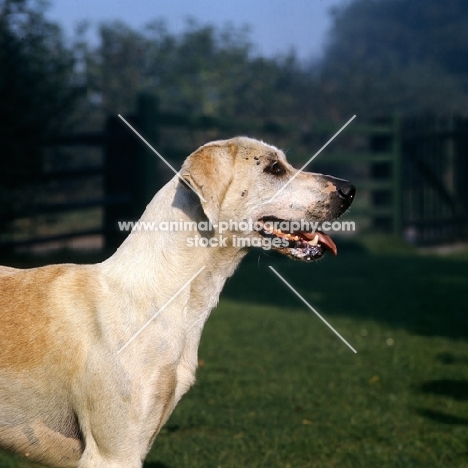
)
(242, 179)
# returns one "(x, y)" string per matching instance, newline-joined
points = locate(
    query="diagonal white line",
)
(161, 309)
(312, 158)
(312, 309)
(162, 159)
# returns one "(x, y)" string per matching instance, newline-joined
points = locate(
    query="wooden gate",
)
(435, 172)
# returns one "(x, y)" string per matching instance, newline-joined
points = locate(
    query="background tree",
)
(203, 70)
(36, 84)
(405, 55)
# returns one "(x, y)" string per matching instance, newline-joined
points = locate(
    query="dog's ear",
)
(209, 171)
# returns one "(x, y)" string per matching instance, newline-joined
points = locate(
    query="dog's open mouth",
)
(300, 245)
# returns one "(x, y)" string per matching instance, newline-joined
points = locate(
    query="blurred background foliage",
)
(204, 70)
(382, 56)
(399, 55)
(37, 88)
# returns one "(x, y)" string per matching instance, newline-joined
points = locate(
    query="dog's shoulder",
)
(38, 309)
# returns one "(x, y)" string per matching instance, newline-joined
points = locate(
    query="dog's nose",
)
(346, 191)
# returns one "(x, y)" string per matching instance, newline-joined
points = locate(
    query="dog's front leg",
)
(121, 409)
(105, 400)
(94, 458)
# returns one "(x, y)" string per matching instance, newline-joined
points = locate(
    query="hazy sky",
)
(276, 25)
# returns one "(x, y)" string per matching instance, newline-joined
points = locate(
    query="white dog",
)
(94, 358)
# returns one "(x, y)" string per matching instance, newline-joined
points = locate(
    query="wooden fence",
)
(369, 154)
(408, 174)
(435, 207)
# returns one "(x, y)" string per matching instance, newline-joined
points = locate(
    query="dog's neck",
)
(162, 263)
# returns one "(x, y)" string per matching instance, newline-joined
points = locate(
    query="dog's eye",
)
(275, 168)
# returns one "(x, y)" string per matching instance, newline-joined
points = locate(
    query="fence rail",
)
(408, 173)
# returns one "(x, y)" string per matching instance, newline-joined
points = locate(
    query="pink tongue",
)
(323, 239)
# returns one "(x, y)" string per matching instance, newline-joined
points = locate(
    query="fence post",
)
(382, 174)
(397, 177)
(149, 178)
(120, 153)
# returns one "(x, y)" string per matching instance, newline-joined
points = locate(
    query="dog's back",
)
(36, 376)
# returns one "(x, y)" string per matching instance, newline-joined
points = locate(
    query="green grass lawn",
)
(276, 388)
